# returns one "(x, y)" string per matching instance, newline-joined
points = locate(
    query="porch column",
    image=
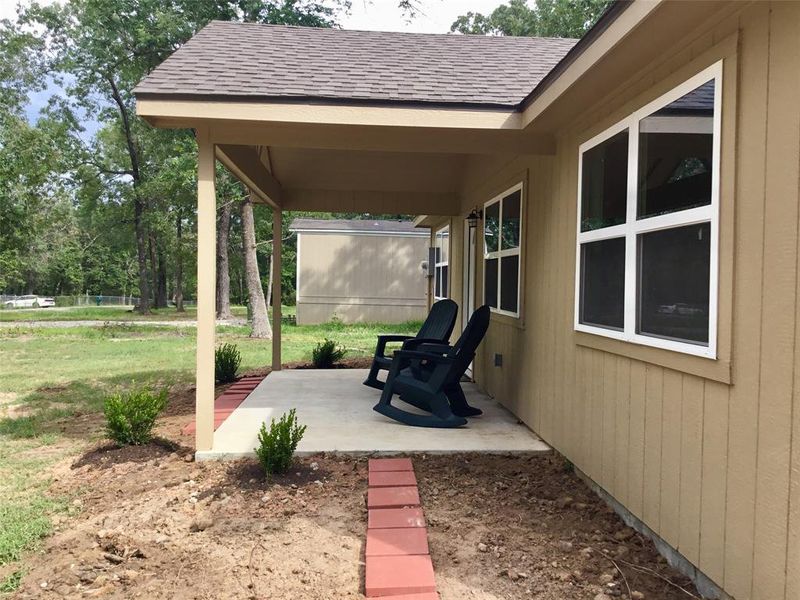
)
(206, 291)
(277, 246)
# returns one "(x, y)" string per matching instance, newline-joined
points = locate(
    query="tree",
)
(258, 306)
(546, 18)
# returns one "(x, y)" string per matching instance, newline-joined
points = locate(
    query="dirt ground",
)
(149, 522)
(153, 524)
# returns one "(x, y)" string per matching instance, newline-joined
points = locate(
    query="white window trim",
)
(444, 263)
(633, 227)
(508, 252)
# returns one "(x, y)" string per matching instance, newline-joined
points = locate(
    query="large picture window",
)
(502, 235)
(441, 244)
(648, 223)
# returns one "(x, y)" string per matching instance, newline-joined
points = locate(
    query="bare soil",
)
(149, 522)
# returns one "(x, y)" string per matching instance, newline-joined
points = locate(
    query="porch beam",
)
(277, 247)
(376, 201)
(244, 162)
(206, 291)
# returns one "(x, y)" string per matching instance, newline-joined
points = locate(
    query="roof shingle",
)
(261, 62)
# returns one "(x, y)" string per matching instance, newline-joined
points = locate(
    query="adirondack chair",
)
(437, 328)
(429, 378)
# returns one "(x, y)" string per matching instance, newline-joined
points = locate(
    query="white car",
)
(30, 302)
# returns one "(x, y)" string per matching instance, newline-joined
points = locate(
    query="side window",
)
(441, 244)
(502, 235)
(648, 223)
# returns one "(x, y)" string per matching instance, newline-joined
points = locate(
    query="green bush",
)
(277, 444)
(130, 417)
(326, 354)
(227, 360)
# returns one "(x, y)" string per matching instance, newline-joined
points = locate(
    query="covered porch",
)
(344, 151)
(337, 410)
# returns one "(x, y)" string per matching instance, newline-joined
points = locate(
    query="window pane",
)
(509, 268)
(490, 281)
(603, 283)
(604, 183)
(491, 228)
(444, 281)
(437, 285)
(511, 210)
(675, 154)
(674, 283)
(443, 242)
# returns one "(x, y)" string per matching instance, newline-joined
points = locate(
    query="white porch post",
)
(206, 291)
(277, 245)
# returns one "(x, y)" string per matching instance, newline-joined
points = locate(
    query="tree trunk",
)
(223, 265)
(162, 297)
(179, 264)
(258, 305)
(141, 255)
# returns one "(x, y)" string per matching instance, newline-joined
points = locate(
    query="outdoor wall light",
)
(473, 218)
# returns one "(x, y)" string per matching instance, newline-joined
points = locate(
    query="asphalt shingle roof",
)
(261, 62)
(359, 225)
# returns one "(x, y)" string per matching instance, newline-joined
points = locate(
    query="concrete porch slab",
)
(339, 415)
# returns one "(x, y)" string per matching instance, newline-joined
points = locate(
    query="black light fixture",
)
(473, 218)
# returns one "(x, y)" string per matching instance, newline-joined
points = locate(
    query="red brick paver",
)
(229, 401)
(390, 464)
(392, 518)
(394, 575)
(391, 478)
(392, 497)
(397, 542)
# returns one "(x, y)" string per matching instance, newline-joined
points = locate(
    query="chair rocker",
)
(429, 379)
(437, 329)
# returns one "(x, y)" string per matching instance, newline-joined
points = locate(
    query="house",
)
(627, 204)
(360, 271)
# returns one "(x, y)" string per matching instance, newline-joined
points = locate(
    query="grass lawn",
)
(54, 376)
(112, 313)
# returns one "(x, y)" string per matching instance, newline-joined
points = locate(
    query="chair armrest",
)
(416, 355)
(414, 342)
(439, 348)
(384, 339)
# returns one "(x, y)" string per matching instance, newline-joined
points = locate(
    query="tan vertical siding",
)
(707, 456)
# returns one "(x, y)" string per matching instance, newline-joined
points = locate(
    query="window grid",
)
(500, 252)
(633, 227)
(440, 283)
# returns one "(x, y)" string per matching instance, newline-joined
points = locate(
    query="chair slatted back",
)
(440, 321)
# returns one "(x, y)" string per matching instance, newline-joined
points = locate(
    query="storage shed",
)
(360, 271)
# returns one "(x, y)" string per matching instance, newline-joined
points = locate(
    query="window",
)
(502, 230)
(648, 227)
(441, 245)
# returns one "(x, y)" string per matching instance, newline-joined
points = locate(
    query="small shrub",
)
(277, 444)
(130, 417)
(326, 354)
(227, 360)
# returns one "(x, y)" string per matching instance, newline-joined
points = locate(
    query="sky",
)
(434, 16)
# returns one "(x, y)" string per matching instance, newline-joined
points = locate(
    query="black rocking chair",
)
(437, 328)
(429, 378)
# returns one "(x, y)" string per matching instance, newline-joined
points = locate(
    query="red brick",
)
(392, 497)
(397, 542)
(392, 518)
(394, 575)
(391, 478)
(390, 464)
(425, 596)
(233, 396)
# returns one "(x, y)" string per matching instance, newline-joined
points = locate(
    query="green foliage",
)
(24, 523)
(11, 582)
(326, 354)
(131, 416)
(545, 18)
(277, 444)
(227, 360)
